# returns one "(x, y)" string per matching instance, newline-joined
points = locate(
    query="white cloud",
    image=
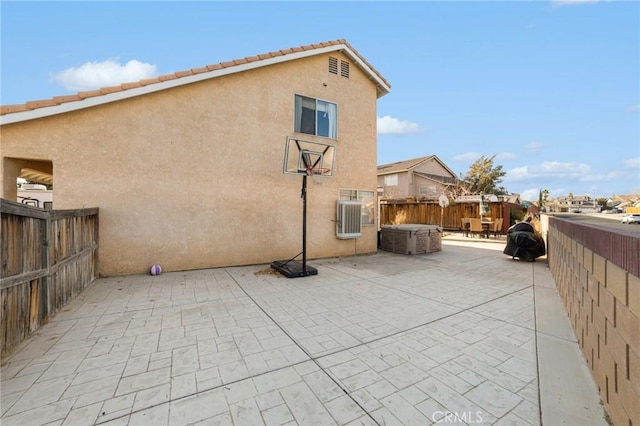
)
(634, 108)
(601, 177)
(388, 125)
(534, 147)
(560, 171)
(530, 194)
(549, 169)
(94, 75)
(469, 157)
(505, 156)
(632, 163)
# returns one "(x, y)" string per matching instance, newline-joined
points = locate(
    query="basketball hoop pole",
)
(291, 268)
(304, 225)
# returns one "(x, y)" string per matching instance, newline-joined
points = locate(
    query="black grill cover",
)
(523, 242)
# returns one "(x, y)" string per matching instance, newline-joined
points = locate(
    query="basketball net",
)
(316, 174)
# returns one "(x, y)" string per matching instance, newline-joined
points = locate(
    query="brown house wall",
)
(191, 177)
(409, 186)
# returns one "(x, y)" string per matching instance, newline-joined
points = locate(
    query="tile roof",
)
(407, 165)
(382, 84)
(402, 166)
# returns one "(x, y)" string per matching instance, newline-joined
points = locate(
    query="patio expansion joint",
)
(462, 310)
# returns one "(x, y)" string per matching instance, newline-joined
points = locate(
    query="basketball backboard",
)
(308, 158)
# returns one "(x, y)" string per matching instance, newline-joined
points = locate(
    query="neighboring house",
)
(511, 198)
(626, 203)
(573, 204)
(187, 168)
(424, 178)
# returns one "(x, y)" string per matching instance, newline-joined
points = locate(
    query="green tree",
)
(484, 177)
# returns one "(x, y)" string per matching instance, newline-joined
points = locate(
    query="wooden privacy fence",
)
(450, 217)
(48, 258)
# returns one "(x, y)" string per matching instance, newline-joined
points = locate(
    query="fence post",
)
(45, 302)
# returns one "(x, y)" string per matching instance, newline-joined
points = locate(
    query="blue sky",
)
(551, 88)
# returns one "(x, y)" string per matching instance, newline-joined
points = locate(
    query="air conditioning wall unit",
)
(349, 219)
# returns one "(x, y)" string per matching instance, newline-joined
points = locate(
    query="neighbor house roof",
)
(407, 165)
(61, 104)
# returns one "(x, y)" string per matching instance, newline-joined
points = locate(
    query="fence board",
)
(449, 218)
(48, 257)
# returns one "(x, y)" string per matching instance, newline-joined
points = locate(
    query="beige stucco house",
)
(187, 169)
(423, 178)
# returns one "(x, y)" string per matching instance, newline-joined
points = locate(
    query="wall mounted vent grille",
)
(349, 219)
(333, 65)
(344, 69)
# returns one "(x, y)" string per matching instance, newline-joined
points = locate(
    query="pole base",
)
(293, 268)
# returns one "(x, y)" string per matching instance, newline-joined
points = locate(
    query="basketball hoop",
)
(305, 158)
(318, 171)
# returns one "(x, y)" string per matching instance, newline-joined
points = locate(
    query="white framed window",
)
(316, 117)
(368, 203)
(391, 180)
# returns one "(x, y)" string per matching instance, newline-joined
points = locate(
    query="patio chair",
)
(476, 227)
(497, 227)
(465, 226)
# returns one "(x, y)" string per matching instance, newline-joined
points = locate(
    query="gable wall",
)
(399, 191)
(409, 185)
(191, 177)
(434, 188)
(433, 167)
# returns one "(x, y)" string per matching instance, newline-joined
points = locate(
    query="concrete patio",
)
(462, 336)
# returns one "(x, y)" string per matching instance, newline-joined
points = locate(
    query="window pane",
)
(391, 180)
(368, 207)
(326, 119)
(348, 194)
(305, 119)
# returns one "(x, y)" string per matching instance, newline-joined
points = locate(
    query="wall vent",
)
(344, 69)
(349, 219)
(333, 65)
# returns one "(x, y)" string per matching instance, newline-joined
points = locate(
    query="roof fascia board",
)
(155, 87)
(393, 172)
(421, 176)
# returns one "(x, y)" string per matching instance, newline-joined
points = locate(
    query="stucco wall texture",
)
(191, 177)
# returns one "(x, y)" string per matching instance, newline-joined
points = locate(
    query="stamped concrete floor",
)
(462, 336)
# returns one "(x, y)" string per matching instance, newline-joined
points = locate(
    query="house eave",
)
(382, 87)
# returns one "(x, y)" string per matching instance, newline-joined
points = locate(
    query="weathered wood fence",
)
(48, 257)
(450, 217)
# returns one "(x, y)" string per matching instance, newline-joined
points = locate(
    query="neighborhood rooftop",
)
(59, 104)
(402, 165)
(407, 165)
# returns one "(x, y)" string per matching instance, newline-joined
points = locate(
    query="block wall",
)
(602, 299)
